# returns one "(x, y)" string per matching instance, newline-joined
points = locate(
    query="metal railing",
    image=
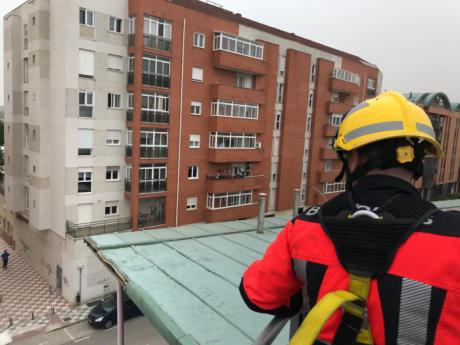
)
(156, 42)
(149, 116)
(154, 80)
(97, 228)
(156, 186)
(154, 152)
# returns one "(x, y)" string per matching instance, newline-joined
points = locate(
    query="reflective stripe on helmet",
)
(374, 128)
(425, 129)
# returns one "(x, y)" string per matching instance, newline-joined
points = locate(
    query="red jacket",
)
(416, 302)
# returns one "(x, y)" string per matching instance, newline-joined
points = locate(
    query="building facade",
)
(143, 114)
(441, 177)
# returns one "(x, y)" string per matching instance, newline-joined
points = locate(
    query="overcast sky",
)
(415, 43)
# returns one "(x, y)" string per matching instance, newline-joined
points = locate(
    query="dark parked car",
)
(104, 314)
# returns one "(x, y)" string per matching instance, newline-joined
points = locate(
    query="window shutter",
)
(85, 138)
(115, 62)
(86, 63)
(113, 135)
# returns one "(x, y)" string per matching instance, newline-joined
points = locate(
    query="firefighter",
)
(377, 264)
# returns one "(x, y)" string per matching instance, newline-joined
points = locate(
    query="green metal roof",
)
(185, 279)
(427, 98)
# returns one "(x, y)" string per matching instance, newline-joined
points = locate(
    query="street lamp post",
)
(80, 268)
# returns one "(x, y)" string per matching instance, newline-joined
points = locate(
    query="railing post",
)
(120, 316)
(295, 210)
(260, 219)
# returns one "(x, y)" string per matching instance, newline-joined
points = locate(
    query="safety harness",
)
(366, 242)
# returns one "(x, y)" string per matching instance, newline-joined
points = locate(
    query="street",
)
(138, 331)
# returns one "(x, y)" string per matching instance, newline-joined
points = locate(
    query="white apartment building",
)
(65, 111)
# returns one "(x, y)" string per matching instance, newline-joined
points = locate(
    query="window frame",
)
(191, 143)
(199, 37)
(227, 200)
(118, 69)
(112, 142)
(115, 22)
(109, 170)
(192, 203)
(216, 139)
(112, 100)
(197, 70)
(86, 104)
(111, 205)
(196, 105)
(85, 173)
(93, 17)
(193, 172)
(235, 109)
(80, 150)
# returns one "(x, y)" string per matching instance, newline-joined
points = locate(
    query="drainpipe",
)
(260, 219)
(180, 121)
(120, 316)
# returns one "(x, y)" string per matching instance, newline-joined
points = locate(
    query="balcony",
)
(96, 228)
(338, 108)
(235, 124)
(327, 154)
(218, 183)
(330, 131)
(233, 93)
(235, 155)
(232, 213)
(131, 40)
(155, 80)
(154, 152)
(343, 86)
(149, 116)
(129, 151)
(151, 212)
(130, 77)
(154, 186)
(156, 42)
(327, 176)
(236, 62)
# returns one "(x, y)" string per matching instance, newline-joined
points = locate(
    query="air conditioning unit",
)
(258, 145)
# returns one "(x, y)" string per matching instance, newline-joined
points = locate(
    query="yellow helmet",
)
(387, 116)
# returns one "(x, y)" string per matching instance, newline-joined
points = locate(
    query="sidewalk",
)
(24, 292)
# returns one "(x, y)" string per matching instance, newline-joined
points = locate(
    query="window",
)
(26, 166)
(33, 20)
(346, 76)
(194, 141)
(26, 70)
(244, 80)
(154, 143)
(86, 17)
(274, 177)
(86, 103)
(113, 137)
(33, 59)
(308, 123)
(199, 40)
(311, 97)
(112, 173)
(114, 100)
(197, 74)
(238, 45)
(335, 98)
(355, 100)
(152, 178)
(26, 198)
(116, 25)
(335, 120)
(278, 120)
(26, 135)
(330, 143)
(371, 84)
(282, 65)
(85, 179)
(195, 108)
(193, 172)
(223, 140)
(333, 187)
(131, 64)
(132, 25)
(26, 103)
(26, 36)
(85, 142)
(111, 208)
(235, 109)
(130, 101)
(115, 62)
(155, 102)
(313, 73)
(157, 33)
(192, 203)
(279, 93)
(155, 71)
(86, 58)
(226, 200)
(328, 166)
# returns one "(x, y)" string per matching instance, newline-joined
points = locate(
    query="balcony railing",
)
(154, 152)
(155, 80)
(154, 186)
(131, 40)
(149, 116)
(129, 151)
(130, 77)
(96, 228)
(156, 42)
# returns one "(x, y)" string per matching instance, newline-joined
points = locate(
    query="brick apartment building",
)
(441, 177)
(134, 114)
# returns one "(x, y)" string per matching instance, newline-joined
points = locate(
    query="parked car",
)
(104, 314)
